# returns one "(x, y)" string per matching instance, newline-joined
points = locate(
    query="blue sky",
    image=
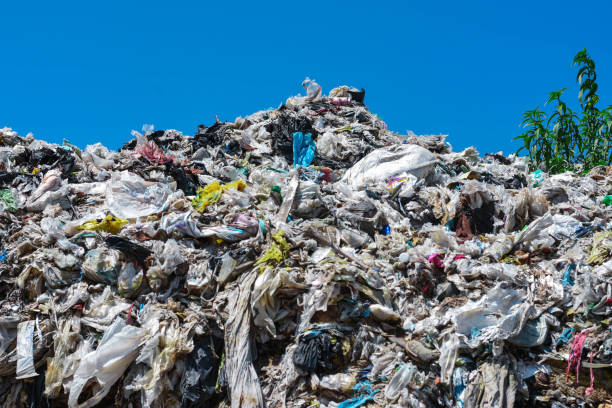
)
(92, 71)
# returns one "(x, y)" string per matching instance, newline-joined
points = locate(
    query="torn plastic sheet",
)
(116, 351)
(502, 313)
(533, 334)
(103, 309)
(263, 300)
(25, 350)
(243, 384)
(130, 196)
(169, 340)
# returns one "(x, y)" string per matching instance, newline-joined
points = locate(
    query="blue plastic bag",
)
(303, 149)
(358, 401)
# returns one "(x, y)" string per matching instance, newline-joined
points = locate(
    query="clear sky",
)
(92, 71)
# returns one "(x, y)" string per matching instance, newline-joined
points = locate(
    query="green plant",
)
(566, 140)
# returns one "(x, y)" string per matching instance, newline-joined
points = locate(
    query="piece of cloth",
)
(575, 356)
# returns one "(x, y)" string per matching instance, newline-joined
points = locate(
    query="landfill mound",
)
(304, 256)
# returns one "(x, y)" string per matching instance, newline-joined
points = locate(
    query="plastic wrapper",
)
(99, 156)
(211, 193)
(501, 314)
(102, 265)
(129, 280)
(8, 200)
(313, 90)
(108, 224)
(303, 149)
(103, 309)
(129, 196)
(227, 268)
(243, 383)
(25, 350)
(337, 382)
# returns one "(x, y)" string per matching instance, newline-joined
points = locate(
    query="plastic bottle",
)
(337, 382)
(227, 267)
(400, 380)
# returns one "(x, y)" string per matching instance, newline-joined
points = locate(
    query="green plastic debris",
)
(607, 200)
(8, 200)
(537, 177)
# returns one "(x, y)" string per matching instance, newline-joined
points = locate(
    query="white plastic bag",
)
(130, 196)
(117, 349)
(99, 156)
(380, 165)
(313, 90)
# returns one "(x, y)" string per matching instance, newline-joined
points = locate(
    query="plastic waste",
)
(153, 153)
(99, 156)
(337, 382)
(400, 380)
(227, 268)
(601, 249)
(381, 165)
(212, 193)
(313, 90)
(129, 280)
(448, 355)
(25, 350)
(199, 381)
(130, 196)
(243, 383)
(383, 313)
(101, 265)
(115, 352)
(277, 251)
(7, 200)
(537, 177)
(303, 149)
(129, 249)
(108, 224)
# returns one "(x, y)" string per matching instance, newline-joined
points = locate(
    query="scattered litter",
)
(300, 256)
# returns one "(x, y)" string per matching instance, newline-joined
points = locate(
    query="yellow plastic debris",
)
(601, 249)
(212, 192)
(277, 251)
(108, 224)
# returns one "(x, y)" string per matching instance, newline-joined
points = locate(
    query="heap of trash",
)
(304, 256)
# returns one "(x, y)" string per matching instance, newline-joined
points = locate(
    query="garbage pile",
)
(304, 256)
